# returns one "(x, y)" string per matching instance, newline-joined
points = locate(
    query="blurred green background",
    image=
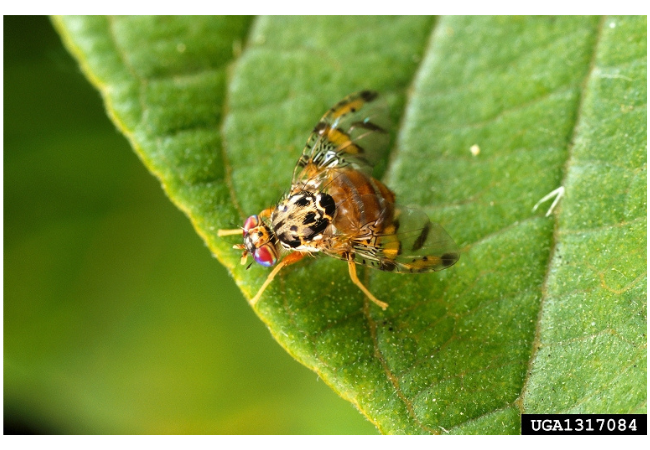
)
(116, 317)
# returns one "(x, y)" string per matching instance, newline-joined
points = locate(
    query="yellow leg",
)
(289, 259)
(272, 275)
(229, 232)
(355, 280)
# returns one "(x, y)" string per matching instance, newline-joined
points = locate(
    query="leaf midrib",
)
(537, 342)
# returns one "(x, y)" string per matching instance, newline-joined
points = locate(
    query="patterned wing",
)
(354, 132)
(409, 243)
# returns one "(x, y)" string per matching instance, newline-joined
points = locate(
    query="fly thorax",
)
(302, 218)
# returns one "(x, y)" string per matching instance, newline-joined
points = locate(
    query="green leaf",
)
(541, 314)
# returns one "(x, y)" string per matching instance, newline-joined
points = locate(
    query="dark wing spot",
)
(368, 126)
(449, 259)
(387, 265)
(320, 126)
(422, 238)
(368, 95)
(293, 228)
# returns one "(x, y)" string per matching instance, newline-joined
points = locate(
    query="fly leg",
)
(353, 275)
(288, 260)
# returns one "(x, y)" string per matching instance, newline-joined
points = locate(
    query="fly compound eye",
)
(250, 223)
(265, 256)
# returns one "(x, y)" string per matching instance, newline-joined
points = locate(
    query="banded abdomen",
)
(363, 204)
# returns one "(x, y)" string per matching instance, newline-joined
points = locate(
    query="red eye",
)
(251, 222)
(265, 256)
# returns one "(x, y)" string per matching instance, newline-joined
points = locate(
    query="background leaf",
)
(539, 315)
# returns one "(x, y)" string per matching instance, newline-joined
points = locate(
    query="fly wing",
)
(424, 246)
(354, 132)
(407, 243)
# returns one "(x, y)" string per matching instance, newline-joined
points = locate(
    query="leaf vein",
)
(536, 343)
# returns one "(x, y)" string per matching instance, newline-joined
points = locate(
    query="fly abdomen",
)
(360, 201)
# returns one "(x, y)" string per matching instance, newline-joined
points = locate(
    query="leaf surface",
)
(541, 314)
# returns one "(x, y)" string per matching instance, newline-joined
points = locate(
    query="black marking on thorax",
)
(302, 217)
